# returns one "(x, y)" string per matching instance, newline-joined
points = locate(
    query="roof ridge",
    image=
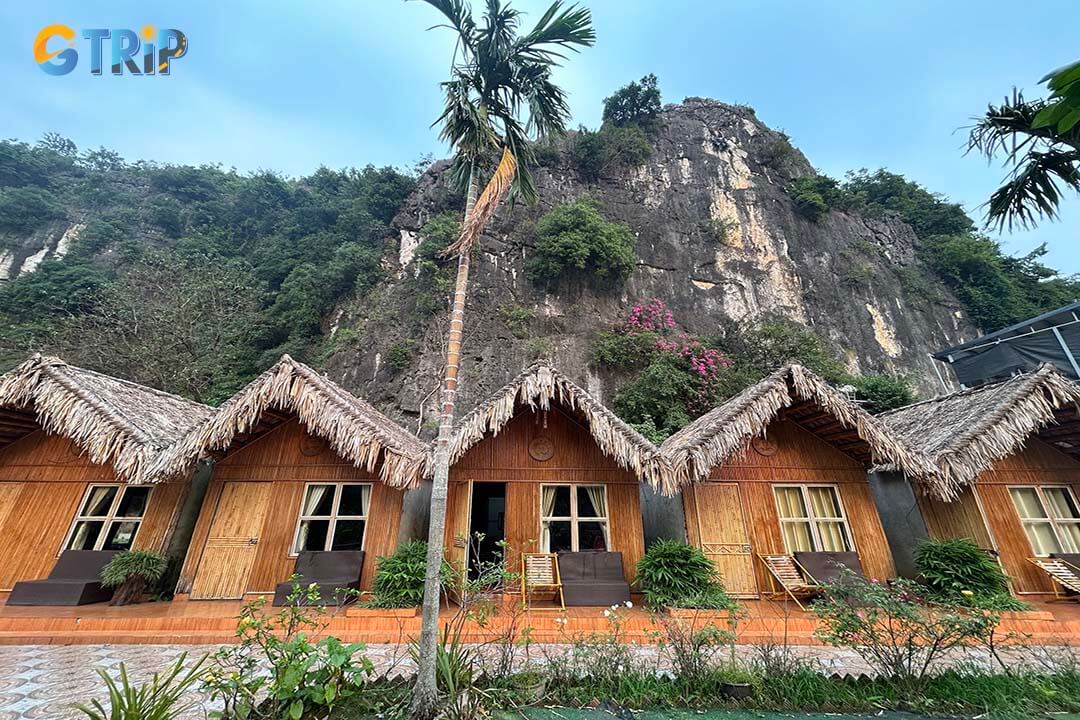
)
(52, 360)
(110, 413)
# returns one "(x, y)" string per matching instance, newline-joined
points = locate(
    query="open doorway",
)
(488, 519)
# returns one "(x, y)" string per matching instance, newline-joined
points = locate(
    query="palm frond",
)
(1033, 191)
(568, 28)
(479, 214)
(458, 13)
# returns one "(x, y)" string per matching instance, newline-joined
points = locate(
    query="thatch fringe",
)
(966, 432)
(116, 422)
(493, 194)
(691, 454)
(356, 430)
(538, 387)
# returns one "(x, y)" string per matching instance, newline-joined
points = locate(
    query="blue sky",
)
(290, 86)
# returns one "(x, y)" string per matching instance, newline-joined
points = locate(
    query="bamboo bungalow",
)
(1007, 454)
(546, 468)
(301, 466)
(77, 457)
(780, 469)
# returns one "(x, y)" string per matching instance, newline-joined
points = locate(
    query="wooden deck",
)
(200, 622)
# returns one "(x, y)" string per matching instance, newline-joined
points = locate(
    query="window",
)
(812, 519)
(1050, 518)
(109, 518)
(573, 518)
(333, 517)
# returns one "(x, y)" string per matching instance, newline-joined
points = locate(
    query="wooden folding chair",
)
(785, 571)
(1062, 574)
(540, 571)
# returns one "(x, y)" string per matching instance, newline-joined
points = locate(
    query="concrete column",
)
(662, 517)
(900, 518)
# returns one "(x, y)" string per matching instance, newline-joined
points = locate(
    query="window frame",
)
(109, 518)
(811, 519)
(1050, 519)
(573, 518)
(333, 517)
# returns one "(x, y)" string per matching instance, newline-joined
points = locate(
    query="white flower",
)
(629, 604)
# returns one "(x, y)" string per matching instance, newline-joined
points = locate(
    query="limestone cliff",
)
(714, 166)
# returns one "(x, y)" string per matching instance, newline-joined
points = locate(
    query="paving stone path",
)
(44, 681)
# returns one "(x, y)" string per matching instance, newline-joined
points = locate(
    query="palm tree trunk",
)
(426, 692)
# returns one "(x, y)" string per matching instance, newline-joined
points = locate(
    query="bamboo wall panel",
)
(230, 554)
(9, 494)
(166, 500)
(38, 521)
(627, 533)
(50, 458)
(960, 518)
(1037, 464)
(199, 535)
(284, 459)
(505, 458)
(865, 524)
(796, 456)
(721, 534)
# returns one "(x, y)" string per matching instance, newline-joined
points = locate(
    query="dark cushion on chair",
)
(1071, 558)
(827, 567)
(330, 571)
(593, 578)
(74, 580)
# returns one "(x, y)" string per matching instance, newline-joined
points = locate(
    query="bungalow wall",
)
(733, 516)
(986, 512)
(243, 539)
(43, 480)
(515, 457)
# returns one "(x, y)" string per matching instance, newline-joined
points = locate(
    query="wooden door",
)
(723, 537)
(231, 544)
(458, 515)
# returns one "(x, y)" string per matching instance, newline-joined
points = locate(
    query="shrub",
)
(880, 393)
(131, 572)
(575, 238)
(637, 103)
(399, 356)
(165, 697)
(895, 628)
(25, 209)
(715, 597)
(399, 578)
(815, 195)
(517, 318)
(951, 568)
(672, 570)
(610, 148)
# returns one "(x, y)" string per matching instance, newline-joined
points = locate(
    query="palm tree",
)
(496, 77)
(1041, 142)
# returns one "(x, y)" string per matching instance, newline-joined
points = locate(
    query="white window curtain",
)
(598, 499)
(99, 501)
(365, 499)
(547, 506)
(789, 500)
(315, 496)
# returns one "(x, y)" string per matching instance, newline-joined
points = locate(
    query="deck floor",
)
(206, 621)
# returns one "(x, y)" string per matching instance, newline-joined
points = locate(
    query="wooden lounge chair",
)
(540, 571)
(332, 572)
(593, 579)
(74, 580)
(1062, 573)
(785, 572)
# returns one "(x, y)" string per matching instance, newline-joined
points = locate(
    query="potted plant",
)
(131, 573)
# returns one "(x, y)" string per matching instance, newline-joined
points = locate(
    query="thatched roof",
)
(356, 430)
(968, 431)
(537, 388)
(116, 422)
(798, 395)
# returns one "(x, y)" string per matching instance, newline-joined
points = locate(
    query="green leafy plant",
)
(399, 356)
(609, 148)
(399, 578)
(958, 570)
(637, 103)
(576, 238)
(672, 570)
(165, 697)
(132, 572)
(307, 677)
(879, 393)
(517, 318)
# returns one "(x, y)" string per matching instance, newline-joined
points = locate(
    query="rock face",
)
(717, 237)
